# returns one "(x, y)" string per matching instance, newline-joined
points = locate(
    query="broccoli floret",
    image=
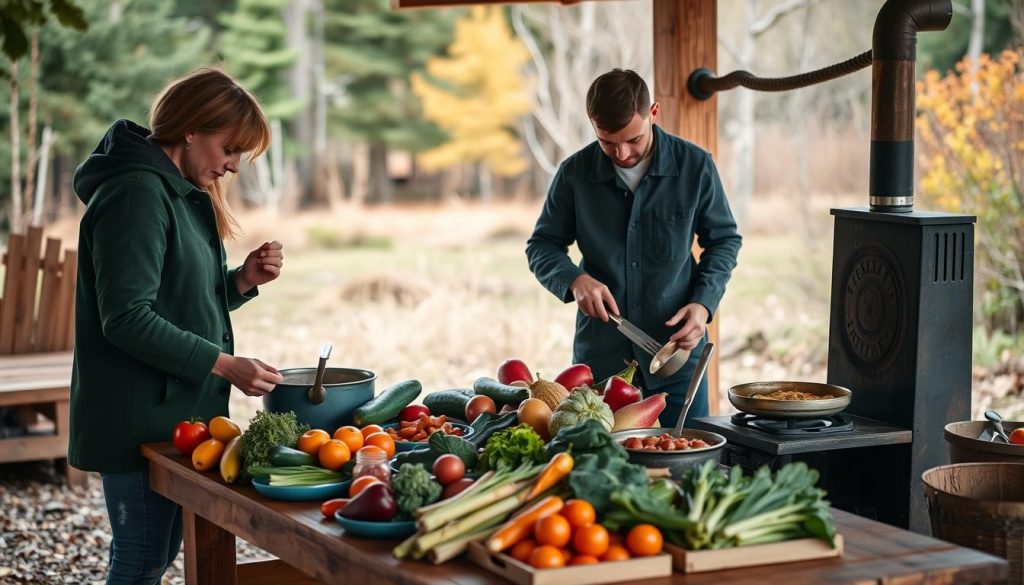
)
(414, 488)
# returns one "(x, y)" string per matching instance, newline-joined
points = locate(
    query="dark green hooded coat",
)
(151, 312)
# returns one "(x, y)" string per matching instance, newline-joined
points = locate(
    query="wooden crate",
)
(803, 549)
(630, 571)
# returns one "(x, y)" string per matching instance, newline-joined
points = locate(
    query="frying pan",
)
(743, 397)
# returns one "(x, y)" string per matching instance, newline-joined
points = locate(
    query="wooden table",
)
(300, 537)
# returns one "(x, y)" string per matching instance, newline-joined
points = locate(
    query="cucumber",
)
(451, 403)
(386, 405)
(500, 393)
(281, 456)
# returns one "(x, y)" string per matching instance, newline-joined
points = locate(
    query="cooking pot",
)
(347, 389)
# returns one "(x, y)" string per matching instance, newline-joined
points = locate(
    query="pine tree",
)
(478, 94)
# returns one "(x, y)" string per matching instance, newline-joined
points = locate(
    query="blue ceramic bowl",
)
(381, 530)
(467, 431)
(300, 493)
(347, 389)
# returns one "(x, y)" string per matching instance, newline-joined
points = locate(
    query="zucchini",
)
(281, 456)
(451, 403)
(386, 405)
(500, 393)
(487, 424)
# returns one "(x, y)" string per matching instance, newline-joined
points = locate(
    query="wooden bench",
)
(37, 313)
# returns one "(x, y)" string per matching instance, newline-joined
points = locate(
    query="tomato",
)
(207, 454)
(412, 412)
(188, 434)
(223, 429)
(575, 376)
(591, 540)
(361, 483)
(329, 507)
(478, 405)
(384, 441)
(311, 440)
(455, 487)
(644, 540)
(579, 513)
(333, 454)
(351, 436)
(553, 530)
(448, 469)
(1017, 437)
(522, 549)
(546, 557)
(616, 552)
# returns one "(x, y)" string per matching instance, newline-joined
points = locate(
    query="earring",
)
(188, 146)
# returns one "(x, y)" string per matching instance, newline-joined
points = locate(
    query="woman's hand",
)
(260, 267)
(251, 376)
(694, 318)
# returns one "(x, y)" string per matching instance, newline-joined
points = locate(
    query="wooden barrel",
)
(981, 506)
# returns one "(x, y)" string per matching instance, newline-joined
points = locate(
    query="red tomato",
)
(448, 469)
(1017, 436)
(455, 487)
(329, 507)
(478, 405)
(188, 435)
(412, 412)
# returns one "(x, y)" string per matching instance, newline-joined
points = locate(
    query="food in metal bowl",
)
(791, 395)
(664, 442)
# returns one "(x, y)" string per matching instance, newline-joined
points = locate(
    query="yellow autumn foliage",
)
(477, 94)
(971, 154)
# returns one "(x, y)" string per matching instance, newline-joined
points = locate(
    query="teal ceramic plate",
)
(300, 493)
(368, 529)
(467, 431)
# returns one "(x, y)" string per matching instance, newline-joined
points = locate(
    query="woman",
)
(153, 339)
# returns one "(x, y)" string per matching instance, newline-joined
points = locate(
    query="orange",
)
(579, 513)
(591, 540)
(644, 540)
(583, 560)
(616, 552)
(361, 483)
(384, 441)
(311, 440)
(351, 436)
(566, 554)
(334, 454)
(521, 551)
(370, 429)
(553, 530)
(546, 557)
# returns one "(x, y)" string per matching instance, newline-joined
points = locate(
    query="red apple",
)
(412, 412)
(617, 393)
(575, 376)
(511, 370)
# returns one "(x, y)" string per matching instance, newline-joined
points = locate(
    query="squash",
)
(551, 393)
(582, 404)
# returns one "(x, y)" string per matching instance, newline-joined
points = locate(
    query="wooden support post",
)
(685, 39)
(215, 565)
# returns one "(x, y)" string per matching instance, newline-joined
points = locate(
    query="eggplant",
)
(375, 503)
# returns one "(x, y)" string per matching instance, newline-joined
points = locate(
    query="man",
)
(633, 201)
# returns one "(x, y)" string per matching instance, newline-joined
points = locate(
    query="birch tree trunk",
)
(14, 219)
(33, 109)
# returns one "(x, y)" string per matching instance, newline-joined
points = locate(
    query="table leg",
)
(209, 552)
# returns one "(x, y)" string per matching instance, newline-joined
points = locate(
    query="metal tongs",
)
(667, 359)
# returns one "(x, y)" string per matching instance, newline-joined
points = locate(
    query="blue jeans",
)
(146, 528)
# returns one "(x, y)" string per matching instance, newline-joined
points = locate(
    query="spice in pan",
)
(792, 395)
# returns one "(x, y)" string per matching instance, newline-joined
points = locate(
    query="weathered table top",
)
(299, 536)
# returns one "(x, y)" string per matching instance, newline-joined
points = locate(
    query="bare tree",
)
(569, 47)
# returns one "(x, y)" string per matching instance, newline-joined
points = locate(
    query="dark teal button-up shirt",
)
(639, 245)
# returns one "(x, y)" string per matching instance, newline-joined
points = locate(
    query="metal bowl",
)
(743, 398)
(669, 359)
(676, 461)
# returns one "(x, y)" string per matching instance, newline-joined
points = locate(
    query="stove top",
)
(775, 437)
(836, 423)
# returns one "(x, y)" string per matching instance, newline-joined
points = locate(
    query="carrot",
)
(521, 525)
(556, 469)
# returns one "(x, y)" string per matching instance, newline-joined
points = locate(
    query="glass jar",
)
(372, 462)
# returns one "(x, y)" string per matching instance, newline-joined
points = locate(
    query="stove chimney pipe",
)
(893, 51)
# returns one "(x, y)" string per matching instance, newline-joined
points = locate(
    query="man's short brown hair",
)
(614, 97)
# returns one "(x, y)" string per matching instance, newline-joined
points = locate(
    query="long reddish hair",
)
(210, 100)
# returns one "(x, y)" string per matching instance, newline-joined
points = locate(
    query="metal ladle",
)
(317, 393)
(997, 424)
(698, 375)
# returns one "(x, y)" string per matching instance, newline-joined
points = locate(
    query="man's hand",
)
(251, 376)
(594, 298)
(694, 318)
(260, 267)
